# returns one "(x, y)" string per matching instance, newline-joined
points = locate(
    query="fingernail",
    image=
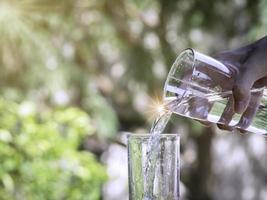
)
(240, 107)
(225, 127)
(241, 131)
(220, 126)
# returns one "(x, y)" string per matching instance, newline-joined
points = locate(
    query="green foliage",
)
(39, 154)
(104, 118)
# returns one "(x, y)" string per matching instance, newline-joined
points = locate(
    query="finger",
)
(249, 114)
(241, 92)
(227, 114)
(252, 70)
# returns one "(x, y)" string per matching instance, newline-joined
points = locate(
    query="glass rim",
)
(184, 51)
(147, 135)
(174, 66)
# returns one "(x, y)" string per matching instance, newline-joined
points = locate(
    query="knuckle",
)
(239, 89)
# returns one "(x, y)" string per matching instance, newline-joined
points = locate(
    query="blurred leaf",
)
(42, 154)
(104, 117)
(8, 183)
(5, 136)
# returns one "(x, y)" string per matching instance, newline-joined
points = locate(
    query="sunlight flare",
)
(156, 108)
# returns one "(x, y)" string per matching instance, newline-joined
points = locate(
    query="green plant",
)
(39, 154)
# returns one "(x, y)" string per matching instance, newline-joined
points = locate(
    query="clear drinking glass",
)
(200, 87)
(166, 177)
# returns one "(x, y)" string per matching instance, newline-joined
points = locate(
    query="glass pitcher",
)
(200, 87)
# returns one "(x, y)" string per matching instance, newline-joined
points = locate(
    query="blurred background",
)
(76, 75)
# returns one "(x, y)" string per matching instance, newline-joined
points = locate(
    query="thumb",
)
(241, 91)
(252, 70)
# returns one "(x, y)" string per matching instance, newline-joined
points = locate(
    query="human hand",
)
(249, 68)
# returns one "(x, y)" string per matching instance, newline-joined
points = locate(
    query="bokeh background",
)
(76, 75)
